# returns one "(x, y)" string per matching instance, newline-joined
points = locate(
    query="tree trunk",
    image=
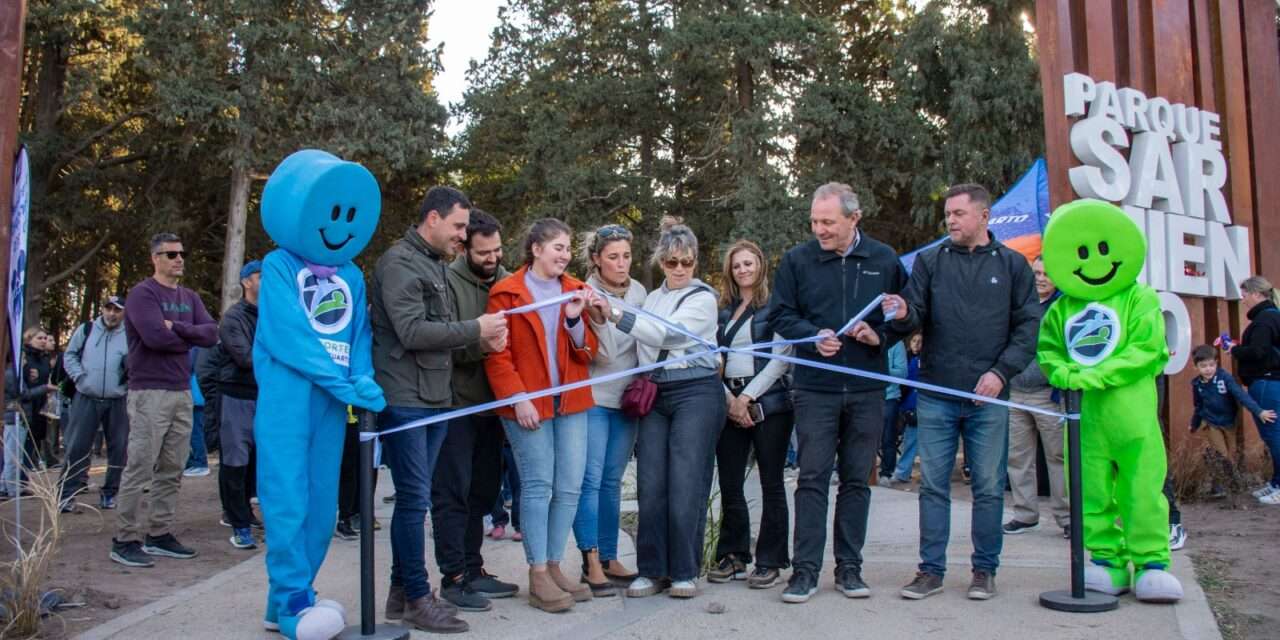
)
(237, 213)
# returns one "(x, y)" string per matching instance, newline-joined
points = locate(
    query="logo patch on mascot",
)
(1092, 334)
(327, 302)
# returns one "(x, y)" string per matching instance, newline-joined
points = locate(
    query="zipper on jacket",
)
(844, 310)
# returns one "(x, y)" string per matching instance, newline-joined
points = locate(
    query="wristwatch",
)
(615, 314)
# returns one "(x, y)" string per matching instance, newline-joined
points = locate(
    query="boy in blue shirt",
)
(1217, 399)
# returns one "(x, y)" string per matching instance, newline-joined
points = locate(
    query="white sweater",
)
(697, 315)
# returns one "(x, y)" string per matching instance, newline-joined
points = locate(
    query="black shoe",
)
(130, 554)
(344, 531)
(489, 586)
(801, 587)
(1066, 532)
(849, 582)
(1014, 527)
(167, 546)
(389, 499)
(355, 524)
(462, 596)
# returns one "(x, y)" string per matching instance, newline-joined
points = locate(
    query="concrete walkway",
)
(229, 605)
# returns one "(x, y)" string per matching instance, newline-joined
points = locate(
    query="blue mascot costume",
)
(312, 357)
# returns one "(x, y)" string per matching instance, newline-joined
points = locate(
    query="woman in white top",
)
(758, 393)
(677, 439)
(611, 435)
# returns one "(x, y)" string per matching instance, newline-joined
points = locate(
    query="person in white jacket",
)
(677, 438)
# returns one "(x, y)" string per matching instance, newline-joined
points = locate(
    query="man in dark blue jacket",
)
(975, 300)
(820, 286)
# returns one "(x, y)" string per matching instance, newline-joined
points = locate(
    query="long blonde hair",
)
(730, 291)
(1259, 284)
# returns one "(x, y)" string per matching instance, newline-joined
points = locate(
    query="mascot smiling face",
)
(320, 207)
(1092, 250)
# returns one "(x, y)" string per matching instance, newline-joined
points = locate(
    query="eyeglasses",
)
(672, 263)
(172, 255)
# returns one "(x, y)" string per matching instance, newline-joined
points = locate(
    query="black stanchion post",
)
(1077, 600)
(369, 628)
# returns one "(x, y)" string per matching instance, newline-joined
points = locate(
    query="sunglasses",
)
(672, 263)
(172, 255)
(613, 231)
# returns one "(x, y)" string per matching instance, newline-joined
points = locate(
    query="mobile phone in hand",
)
(755, 412)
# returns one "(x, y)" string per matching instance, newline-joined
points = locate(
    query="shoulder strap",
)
(85, 329)
(662, 355)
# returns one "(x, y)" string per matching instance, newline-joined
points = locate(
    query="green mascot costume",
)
(1105, 337)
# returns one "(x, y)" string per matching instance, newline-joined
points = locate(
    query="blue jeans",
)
(199, 456)
(411, 456)
(676, 451)
(907, 460)
(1267, 395)
(611, 436)
(552, 460)
(985, 430)
(15, 466)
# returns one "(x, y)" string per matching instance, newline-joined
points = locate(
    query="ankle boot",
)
(602, 589)
(615, 571)
(580, 592)
(545, 594)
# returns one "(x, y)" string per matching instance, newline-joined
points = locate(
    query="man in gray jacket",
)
(95, 362)
(1031, 388)
(415, 333)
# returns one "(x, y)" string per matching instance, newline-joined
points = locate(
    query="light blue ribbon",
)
(751, 350)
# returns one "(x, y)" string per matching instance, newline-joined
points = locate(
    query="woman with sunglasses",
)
(611, 434)
(757, 391)
(547, 347)
(677, 438)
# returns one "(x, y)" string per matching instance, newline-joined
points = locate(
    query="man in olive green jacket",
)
(415, 333)
(468, 474)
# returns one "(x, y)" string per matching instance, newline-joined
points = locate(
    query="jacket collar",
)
(415, 240)
(993, 246)
(1259, 308)
(861, 249)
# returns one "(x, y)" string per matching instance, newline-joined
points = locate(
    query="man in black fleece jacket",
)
(975, 300)
(820, 285)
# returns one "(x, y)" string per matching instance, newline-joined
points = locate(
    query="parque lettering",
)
(1171, 183)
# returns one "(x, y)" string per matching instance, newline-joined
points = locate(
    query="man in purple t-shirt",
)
(162, 322)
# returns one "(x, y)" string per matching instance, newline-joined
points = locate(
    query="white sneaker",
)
(195, 472)
(1270, 498)
(1156, 585)
(1265, 490)
(683, 589)
(488, 524)
(319, 623)
(1177, 537)
(643, 587)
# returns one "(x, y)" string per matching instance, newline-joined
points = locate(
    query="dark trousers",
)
(84, 418)
(770, 440)
(840, 429)
(675, 463)
(467, 481)
(889, 438)
(349, 476)
(233, 491)
(510, 491)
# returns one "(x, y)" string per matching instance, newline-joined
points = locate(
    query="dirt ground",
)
(1233, 545)
(85, 573)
